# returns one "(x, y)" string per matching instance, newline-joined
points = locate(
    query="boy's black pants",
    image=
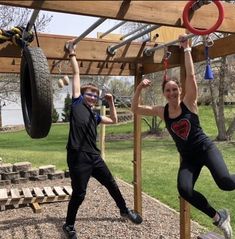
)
(82, 166)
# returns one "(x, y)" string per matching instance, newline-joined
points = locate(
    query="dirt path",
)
(98, 217)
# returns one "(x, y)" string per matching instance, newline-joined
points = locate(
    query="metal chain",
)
(199, 3)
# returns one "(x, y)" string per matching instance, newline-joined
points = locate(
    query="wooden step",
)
(61, 194)
(49, 194)
(3, 195)
(25, 196)
(210, 235)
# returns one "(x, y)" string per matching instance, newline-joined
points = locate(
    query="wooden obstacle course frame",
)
(152, 12)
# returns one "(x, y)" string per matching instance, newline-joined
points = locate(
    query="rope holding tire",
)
(15, 36)
(189, 7)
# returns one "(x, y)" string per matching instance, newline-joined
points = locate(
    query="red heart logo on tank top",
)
(181, 128)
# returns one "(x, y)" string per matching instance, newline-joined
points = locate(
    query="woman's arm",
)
(76, 73)
(136, 108)
(191, 89)
(113, 113)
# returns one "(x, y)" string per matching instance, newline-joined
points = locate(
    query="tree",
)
(131, 26)
(218, 89)
(218, 93)
(15, 16)
(151, 95)
(55, 115)
(66, 110)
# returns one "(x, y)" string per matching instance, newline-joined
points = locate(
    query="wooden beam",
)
(95, 50)
(95, 68)
(167, 13)
(151, 68)
(12, 65)
(89, 49)
(185, 223)
(102, 132)
(222, 47)
(137, 161)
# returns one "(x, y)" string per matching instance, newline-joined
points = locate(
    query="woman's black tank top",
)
(186, 131)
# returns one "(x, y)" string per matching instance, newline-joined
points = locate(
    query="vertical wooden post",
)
(102, 132)
(185, 226)
(137, 153)
(0, 114)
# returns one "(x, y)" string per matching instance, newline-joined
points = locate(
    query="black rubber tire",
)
(36, 92)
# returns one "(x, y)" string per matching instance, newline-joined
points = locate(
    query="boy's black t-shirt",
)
(186, 131)
(83, 127)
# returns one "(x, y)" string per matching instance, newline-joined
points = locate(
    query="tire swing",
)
(36, 92)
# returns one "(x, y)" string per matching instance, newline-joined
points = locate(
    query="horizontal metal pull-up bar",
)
(83, 35)
(112, 49)
(89, 30)
(112, 29)
(134, 31)
(149, 51)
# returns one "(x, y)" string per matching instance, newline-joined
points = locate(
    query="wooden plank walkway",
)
(15, 197)
(210, 235)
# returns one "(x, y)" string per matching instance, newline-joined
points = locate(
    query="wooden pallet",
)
(210, 235)
(15, 197)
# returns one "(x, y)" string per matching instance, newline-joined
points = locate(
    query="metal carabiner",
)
(208, 41)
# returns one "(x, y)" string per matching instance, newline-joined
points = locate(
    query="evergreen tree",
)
(55, 115)
(66, 110)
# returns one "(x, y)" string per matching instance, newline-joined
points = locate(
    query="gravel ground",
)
(98, 217)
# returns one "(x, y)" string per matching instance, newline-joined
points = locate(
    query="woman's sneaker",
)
(70, 231)
(224, 223)
(132, 216)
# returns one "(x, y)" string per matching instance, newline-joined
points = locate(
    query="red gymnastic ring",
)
(200, 31)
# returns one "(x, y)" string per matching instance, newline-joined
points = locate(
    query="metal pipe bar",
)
(30, 23)
(112, 49)
(134, 31)
(112, 29)
(90, 29)
(83, 35)
(32, 19)
(149, 51)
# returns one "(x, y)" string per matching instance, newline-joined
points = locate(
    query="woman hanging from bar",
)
(195, 148)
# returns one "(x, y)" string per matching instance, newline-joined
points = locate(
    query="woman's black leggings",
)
(189, 171)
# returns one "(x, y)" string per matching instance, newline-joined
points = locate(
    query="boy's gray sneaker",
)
(70, 231)
(224, 223)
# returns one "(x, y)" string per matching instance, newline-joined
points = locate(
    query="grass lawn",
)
(160, 161)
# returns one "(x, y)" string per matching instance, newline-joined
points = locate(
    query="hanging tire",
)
(36, 92)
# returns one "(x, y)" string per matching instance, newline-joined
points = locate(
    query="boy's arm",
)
(113, 113)
(75, 68)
